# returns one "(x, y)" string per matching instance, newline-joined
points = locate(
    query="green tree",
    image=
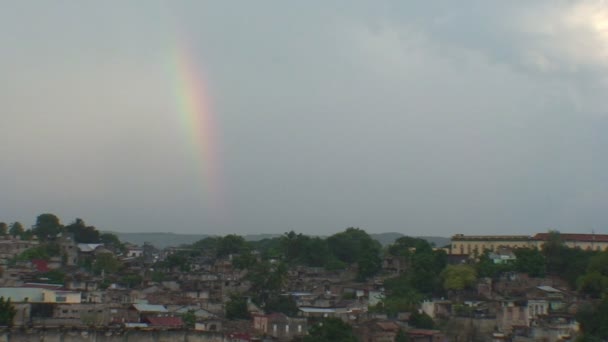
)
(405, 245)
(593, 284)
(244, 260)
(486, 267)
(269, 248)
(458, 277)
(106, 263)
(331, 330)
(421, 320)
(530, 261)
(189, 319)
(267, 280)
(424, 273)
(47, 226)
(7, 312)
(16, 229)
(593, 320)
(208, 245)
(3, 228)
(54, 277)
(232, 244)
(402, 336)
(111, 241)
(131, 280)
(44, 252)
(355, 245)
(280, 303)
(83, 233)
(179, 260)
(236, 308)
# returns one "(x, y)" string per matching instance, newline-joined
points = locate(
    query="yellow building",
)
(476, 244)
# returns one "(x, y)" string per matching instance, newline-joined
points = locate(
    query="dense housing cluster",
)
(348, 286)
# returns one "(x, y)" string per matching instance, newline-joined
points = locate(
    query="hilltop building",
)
(477, 244)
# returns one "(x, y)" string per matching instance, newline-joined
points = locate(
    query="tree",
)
(7, 312)
(106, 263)
(111, 241)
(44, 252)
(208, 245)
(131, 280)
(283, 304)
(458, 277)
(3, 228)
(267, 280)
(54, 277)
(83, 233)
(404, 246)
(593, 320)
(244, 260)
(402, 336)
(180, 259)
(231, 244)
(421, 320)
(530, 261)
(47, 226)
(16, 229)
(355, 245)
(593, 284)
(236, 308)
(424, 275)
(486, 267)
(331, 330)
(189, 319)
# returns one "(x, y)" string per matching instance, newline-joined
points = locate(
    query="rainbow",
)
(196, 118)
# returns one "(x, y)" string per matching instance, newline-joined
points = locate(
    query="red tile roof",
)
(165, 321)
(423, 332)
(388, 326)
(574, 237)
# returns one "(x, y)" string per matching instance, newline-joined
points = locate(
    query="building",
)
(475, 245)
(38, 293)
(279, 326)
(596, 242)
(11, 247)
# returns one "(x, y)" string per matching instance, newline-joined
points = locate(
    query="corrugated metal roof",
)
(88, 247)
(150, 308)
(317, 310)
(548, 289)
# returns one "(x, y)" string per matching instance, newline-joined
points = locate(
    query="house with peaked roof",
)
(138, 312)
(378, 331)
(280, 326)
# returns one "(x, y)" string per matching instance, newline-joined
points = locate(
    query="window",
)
(299, 328)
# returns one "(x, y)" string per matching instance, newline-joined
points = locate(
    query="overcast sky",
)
(483, 117)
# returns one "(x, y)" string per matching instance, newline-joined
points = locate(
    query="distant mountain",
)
(159, 240)
(163, 240)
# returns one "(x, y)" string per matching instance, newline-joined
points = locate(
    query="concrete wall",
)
(109, 336)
